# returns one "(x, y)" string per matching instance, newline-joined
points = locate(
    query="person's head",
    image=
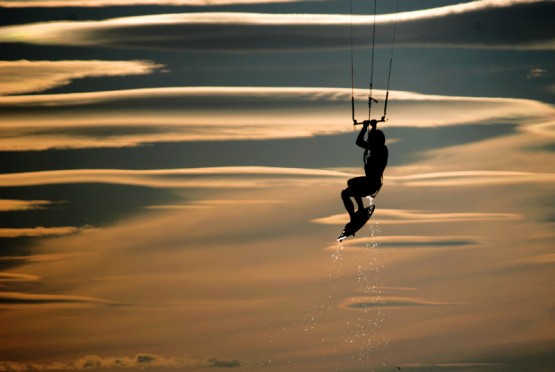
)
(376, 137)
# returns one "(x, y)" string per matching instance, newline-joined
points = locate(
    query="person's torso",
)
(375, 162)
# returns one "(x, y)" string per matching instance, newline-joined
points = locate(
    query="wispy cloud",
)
(38, 258)
(216, 203)
(100, 3)
(240, 177)
(537, 260)
(8, 205)
(138, 361)
(37, 231)
(246, 177)
(217, 177)
(15, 298)
(362, 303)
(24, 76)
(536, 73)
(132, 117)
(16, 277)
(472, 178)
(460, 25)
(401, 216)
(409, 241)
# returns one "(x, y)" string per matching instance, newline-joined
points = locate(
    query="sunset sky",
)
(170, 178)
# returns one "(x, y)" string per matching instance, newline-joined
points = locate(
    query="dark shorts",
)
(362, 186)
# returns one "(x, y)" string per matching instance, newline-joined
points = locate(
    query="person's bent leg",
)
(360, 203)
(349, 206)
(358, 186)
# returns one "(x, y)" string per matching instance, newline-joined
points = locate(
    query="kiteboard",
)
(359, 220)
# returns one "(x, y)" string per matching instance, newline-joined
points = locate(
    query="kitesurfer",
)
(375, 161)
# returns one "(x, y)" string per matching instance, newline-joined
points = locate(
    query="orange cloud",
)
(7, 205)
(216, 204)
(362, 303)
(15, 298)
(409, 241)
(472, 178)
(24, 76)
(401, 216)
(137, 116)
(218, 177)
(543, 259)
(15, 277)
(37, 231)
(38, 258)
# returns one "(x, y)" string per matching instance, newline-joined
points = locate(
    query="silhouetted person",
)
(375, 161)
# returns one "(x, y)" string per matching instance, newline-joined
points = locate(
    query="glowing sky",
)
(170, 174)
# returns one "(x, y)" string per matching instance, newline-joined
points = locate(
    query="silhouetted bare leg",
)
(349, 206)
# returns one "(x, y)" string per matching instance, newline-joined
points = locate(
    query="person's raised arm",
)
(360, 139)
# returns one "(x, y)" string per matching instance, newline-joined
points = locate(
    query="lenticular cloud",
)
(462, 25)
(128, 118)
